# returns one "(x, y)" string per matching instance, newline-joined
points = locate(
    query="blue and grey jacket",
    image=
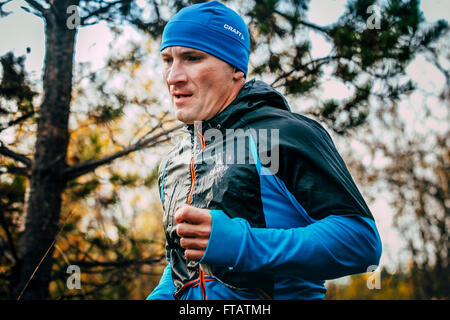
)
(286, 213)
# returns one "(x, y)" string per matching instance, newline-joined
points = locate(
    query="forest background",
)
(85, 119)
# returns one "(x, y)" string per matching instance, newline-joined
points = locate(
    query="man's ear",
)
(238, 75)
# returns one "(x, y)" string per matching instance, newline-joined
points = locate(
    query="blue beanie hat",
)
(213, 28)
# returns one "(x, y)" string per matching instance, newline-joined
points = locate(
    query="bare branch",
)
(43, 13)
(4, 13)
(118, 263)
(304, 23)
(316, 64)
(18, 120)
(36, 5)
(435, 62)
(14, 155)
(99, 11)
(20, 171)
(315, 27)
(77, 170)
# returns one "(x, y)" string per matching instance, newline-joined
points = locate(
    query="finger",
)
(181, 213)
(191, 230)
(192, 215)
(194, 243)
(193, 254)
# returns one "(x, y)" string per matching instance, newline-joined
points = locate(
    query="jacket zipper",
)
(263, 295)
(189, 200)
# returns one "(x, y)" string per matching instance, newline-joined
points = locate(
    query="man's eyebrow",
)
(182, 53)
(189, 52)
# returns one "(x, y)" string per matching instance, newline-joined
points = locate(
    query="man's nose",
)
(176, 74)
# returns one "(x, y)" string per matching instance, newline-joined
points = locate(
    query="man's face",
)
(200, 84)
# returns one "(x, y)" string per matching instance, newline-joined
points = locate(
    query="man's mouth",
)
(179, 96)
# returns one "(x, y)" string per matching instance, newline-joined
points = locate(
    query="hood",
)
(256, 91)
(252, 95)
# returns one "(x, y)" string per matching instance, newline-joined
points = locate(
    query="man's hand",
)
(194, 228)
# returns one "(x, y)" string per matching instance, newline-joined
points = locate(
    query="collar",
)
(224, 119)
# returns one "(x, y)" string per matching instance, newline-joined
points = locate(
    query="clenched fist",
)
(194, 228)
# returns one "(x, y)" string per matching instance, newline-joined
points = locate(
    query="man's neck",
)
(233, 94)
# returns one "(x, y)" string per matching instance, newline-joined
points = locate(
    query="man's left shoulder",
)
(289, 123)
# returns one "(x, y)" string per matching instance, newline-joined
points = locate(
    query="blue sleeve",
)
(332, 247)
(165, 289)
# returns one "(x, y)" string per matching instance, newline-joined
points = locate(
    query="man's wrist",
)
(225, 241)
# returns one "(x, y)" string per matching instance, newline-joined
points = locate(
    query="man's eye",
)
(193, 58)
(167, 60)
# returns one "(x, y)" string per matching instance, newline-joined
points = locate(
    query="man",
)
(249, 229)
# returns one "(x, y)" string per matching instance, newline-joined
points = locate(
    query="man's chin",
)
(184, 118)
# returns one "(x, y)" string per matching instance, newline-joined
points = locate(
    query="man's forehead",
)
(180, 50)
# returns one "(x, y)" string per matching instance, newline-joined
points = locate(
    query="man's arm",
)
(329, 248)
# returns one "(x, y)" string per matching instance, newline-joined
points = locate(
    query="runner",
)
(258, 204)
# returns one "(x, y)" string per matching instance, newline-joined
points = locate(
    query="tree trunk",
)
(47, 180)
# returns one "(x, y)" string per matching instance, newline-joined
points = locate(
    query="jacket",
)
(286, 212)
